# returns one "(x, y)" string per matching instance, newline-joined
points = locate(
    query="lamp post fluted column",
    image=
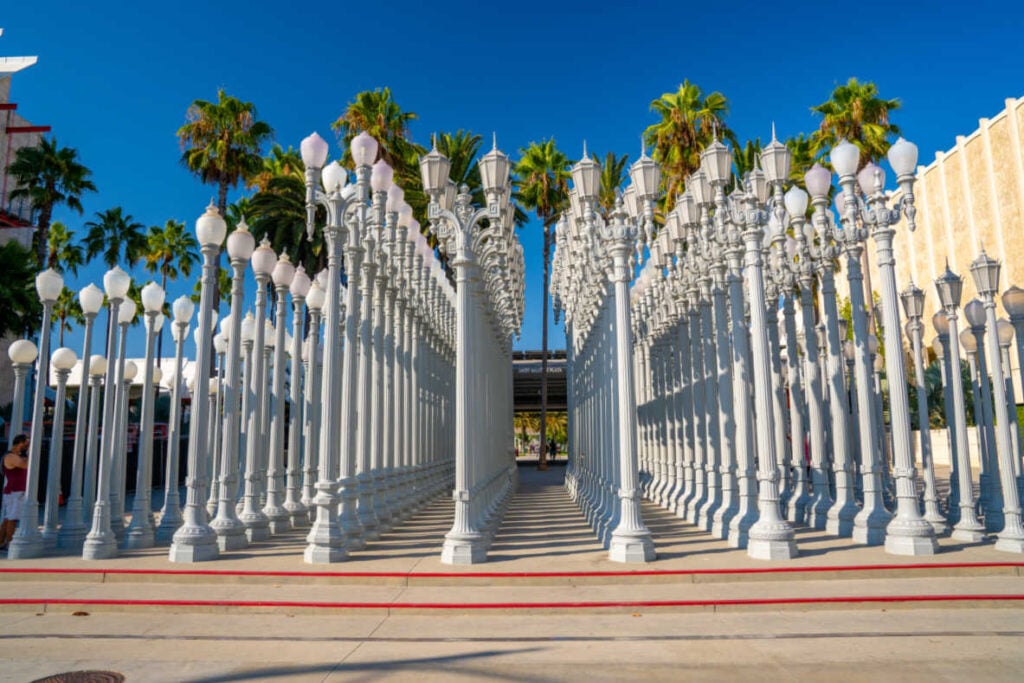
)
(140, 533)
(229, 528)
(63, 360)
(27, 541)
(195, 541)
(967, 527)
(298, 513)
(170, 514)
(630, 540)
(913, 306)
(274, 510)
(985, 270)
(908, 533)
(100, 543)
(73, 530)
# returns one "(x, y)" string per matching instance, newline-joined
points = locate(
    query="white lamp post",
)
(311, 399)
(119, 457)
(63, 361)
(913, 306)
(27, 541)
(990, 498)
(73, 530)
(170, 514)
(281, 275)
(298, 514)
(22, 354)
(229, 529)
(140, 533)
(97, 369)
(257, 526)
(986, 270)
(195, 541)
(967, 527)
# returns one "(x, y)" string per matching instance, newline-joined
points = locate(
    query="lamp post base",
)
(27, 547)
(230, 534)
(464, 548)
(139, 538)
(869, 529)
(1013, 544)
(631, 548)
(771, 548)
(100, 547)
(968, 534)
(196, 543)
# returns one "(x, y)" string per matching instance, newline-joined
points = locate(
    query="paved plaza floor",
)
(547, 606)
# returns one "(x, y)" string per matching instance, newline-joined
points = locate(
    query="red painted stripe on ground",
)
(496, 575)
(882, 599)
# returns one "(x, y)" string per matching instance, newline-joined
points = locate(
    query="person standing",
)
(15, 467)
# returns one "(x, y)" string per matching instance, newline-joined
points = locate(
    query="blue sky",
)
(114, 79)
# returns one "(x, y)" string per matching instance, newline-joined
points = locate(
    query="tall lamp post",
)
(27, 541)
(985, 270)
(73, 530)
(100, 543)
(281, 276)
(195, 541)
(22, 354)
(170, 515)
(229, 529)
(63, 360)
(913, 306)
(297, 512)
(140, 533)
(967, 528)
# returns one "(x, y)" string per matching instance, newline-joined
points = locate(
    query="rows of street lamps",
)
(748, 421)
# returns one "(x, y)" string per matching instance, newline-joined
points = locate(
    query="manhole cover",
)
(83, 677)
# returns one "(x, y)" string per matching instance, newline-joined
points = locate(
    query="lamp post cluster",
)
(488, 310)
(383, 422)
(592, 268)
(747, 422)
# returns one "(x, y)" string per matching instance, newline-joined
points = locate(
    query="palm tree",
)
(375, 112)
(173, 252)
(805, 152)
(63, 253)
(65, 311)
(221, 142)
(689, 121)
(49, 176)
(280, 162)
(746, 157)
(542, 185)
(116, 237)
(21, 312)
(278, 212)
(854, 112)
(614, 171)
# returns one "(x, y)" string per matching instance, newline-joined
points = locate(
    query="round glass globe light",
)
(334, 176)
(940, 321)
(183, 308)
(263, 259)
(210, 227)
(153, 297)
(49, 285)
(283, 271)
(97, 366)
(23, 352)
(381, 176)
(90, 298)
(126, 313)
(974, 311)
(314, 150)
(130, 371)
(300, 283)
(315, 297)
(241, 243)
(364, 149)
(116, 283)
(63, 359)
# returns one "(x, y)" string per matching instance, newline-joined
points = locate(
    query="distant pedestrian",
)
(15, 467)
(552, 449)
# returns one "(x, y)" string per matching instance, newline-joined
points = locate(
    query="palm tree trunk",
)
(43, 234)
(543, 462)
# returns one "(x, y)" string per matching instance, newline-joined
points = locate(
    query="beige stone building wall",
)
(969, 197)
